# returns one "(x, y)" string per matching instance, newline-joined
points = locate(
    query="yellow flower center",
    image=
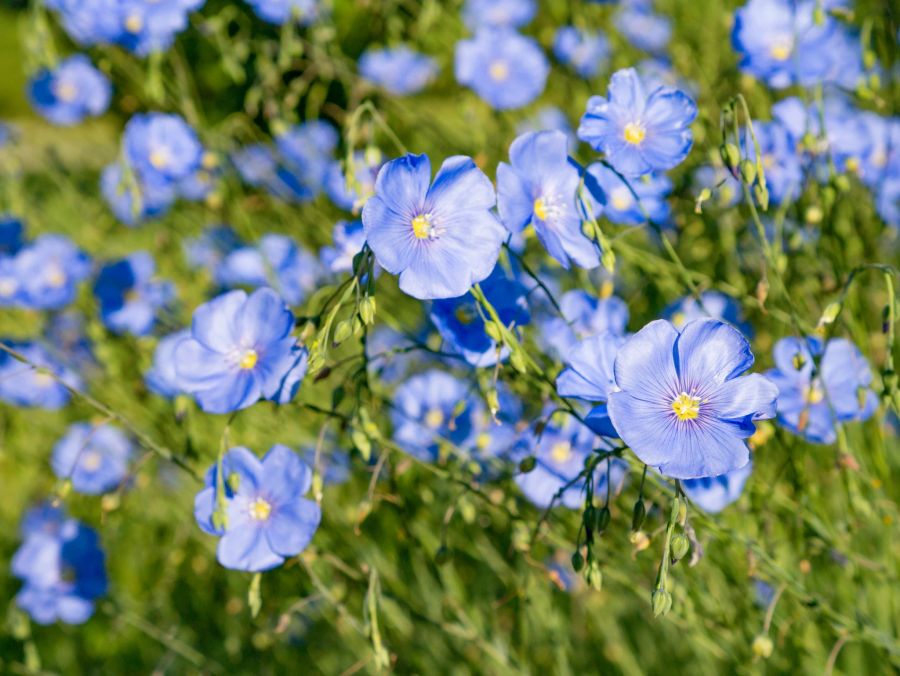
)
(43, 379)
(434, 418)
(634, 133)
(421, 226)
(66, 91)
(464, 314)
(540, 209)
(678, 319)
(249, 359)
(561, 451)
(781, 51)
(8, 287)
(499, 71)
(260, 510)
(91, 460)
(686, 407)
(852, 164)
(209, 160)
(814, 394)
(159, 158)
(621, 199)
(134, 23)
(55, 276)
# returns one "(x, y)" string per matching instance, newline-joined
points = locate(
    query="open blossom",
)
(73, 90)
(129, 295)
(589, 375)
(303, 12)
(713, 494)
(161, 147)
(509, 13)
(539, 187)
(585, 51)
(621, 207)
(400, 70)
(264, 517)
(50, 268)
(504, 68)
(681, 402)
(94, 459)
(21, 384)
(812, 402)
(240, 350)
(639, 131)
(441, 239)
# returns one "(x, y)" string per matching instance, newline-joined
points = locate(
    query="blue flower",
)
(50, 268)
(240, 350)
(95, 459)
(713, 494)
(498, 13)
(277, 262)
(621, 206)
(22, 385)
(151, 25)
(334, 464)
(280, 12)
(561, 452)
(714, 304)
(399, 70)
(266, 517)
(780, 42)
(89, 22)
(129, 296)
(210, 248)
(162, 378)
(349, 239)
(540, 187)
(135, 201)
(62, 566)
(725, 188)
(681, 403)
(11, 290)
(441, 239)
(549, 118)
(639, 133)
(643, 28)
(73, 90)
(161, 147)
(461, 324)
(11, 234)
(432, 410)
(812, 402)
(589, 376)
(308, 149)
(585, 51)
(888, 201)
(261, 167)
(583, 315)
(64, 332)
(504, 68)
(350, 190)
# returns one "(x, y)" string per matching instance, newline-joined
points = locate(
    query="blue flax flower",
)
(89, 22)
(811, 403)
(261, 167)
(308, 152)
(540, 187)
(682, 404)
(621, 206)
(61, 565)
(498, 13)
(589, 375)
(461, 324)
(162, 379)
(349, 239)
(264, 519)
(161, 147)
(713, 494)
(95, 459)
(637, 131)
(644, 28)
(504, 68)
(73, 90)
(280, 12)
(129, 295)
(151, 25)
(22, 385)
(240, 350)
(561, 452)
(583, 315)
(350, 189)
(714, 304)
(138, 200)
(432, 410)
(585, 51)
(51, 267)
(441, 239)
(398, 70)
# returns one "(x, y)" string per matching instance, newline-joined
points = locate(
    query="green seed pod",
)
(763, 646)
(731, 155)
(602, 520)
(680, 546)
(748, 171)
(594, 576)
(342, 332)
(660, 602)
(637, 516)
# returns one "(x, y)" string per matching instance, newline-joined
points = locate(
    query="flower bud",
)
(577, 562)
(762, 646)
(637, 516)
(660, 602)
(594, 576)
(680, 546)
(590, 517)
(602, 520)
(748, 171)
(527, 464)
(731, 156)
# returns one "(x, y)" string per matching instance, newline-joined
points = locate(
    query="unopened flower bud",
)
(748, 171)
(660, 602)
(527, 464)
(637, 516)
(602, 520)
(577, 562)
(594, 576)
(680, 546)
(762, 646)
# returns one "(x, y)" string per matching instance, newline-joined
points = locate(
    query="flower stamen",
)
(686, 407)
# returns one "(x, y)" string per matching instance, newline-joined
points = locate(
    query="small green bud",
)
(762, 646)
(589, 517)
(831, 312)
(442, 556)
(233, 481)
(704, 195)
(577, 562)
(602, 521)
(517, 361)
(343, 331)
(637, 516)
(594, 576)
(748, 171)
(842, 183)
(682, 512)
(660, 602)
(493, 332)
(588, 230)
(731, 156)
(528, 464)
(680, 546)
(761, 193)
(819, 15)
(358, 261)
(367, 309)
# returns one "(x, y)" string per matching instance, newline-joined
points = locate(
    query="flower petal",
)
(214, 322)
(247, 548)
(645, 364)
(292, 526)
(708, 353)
